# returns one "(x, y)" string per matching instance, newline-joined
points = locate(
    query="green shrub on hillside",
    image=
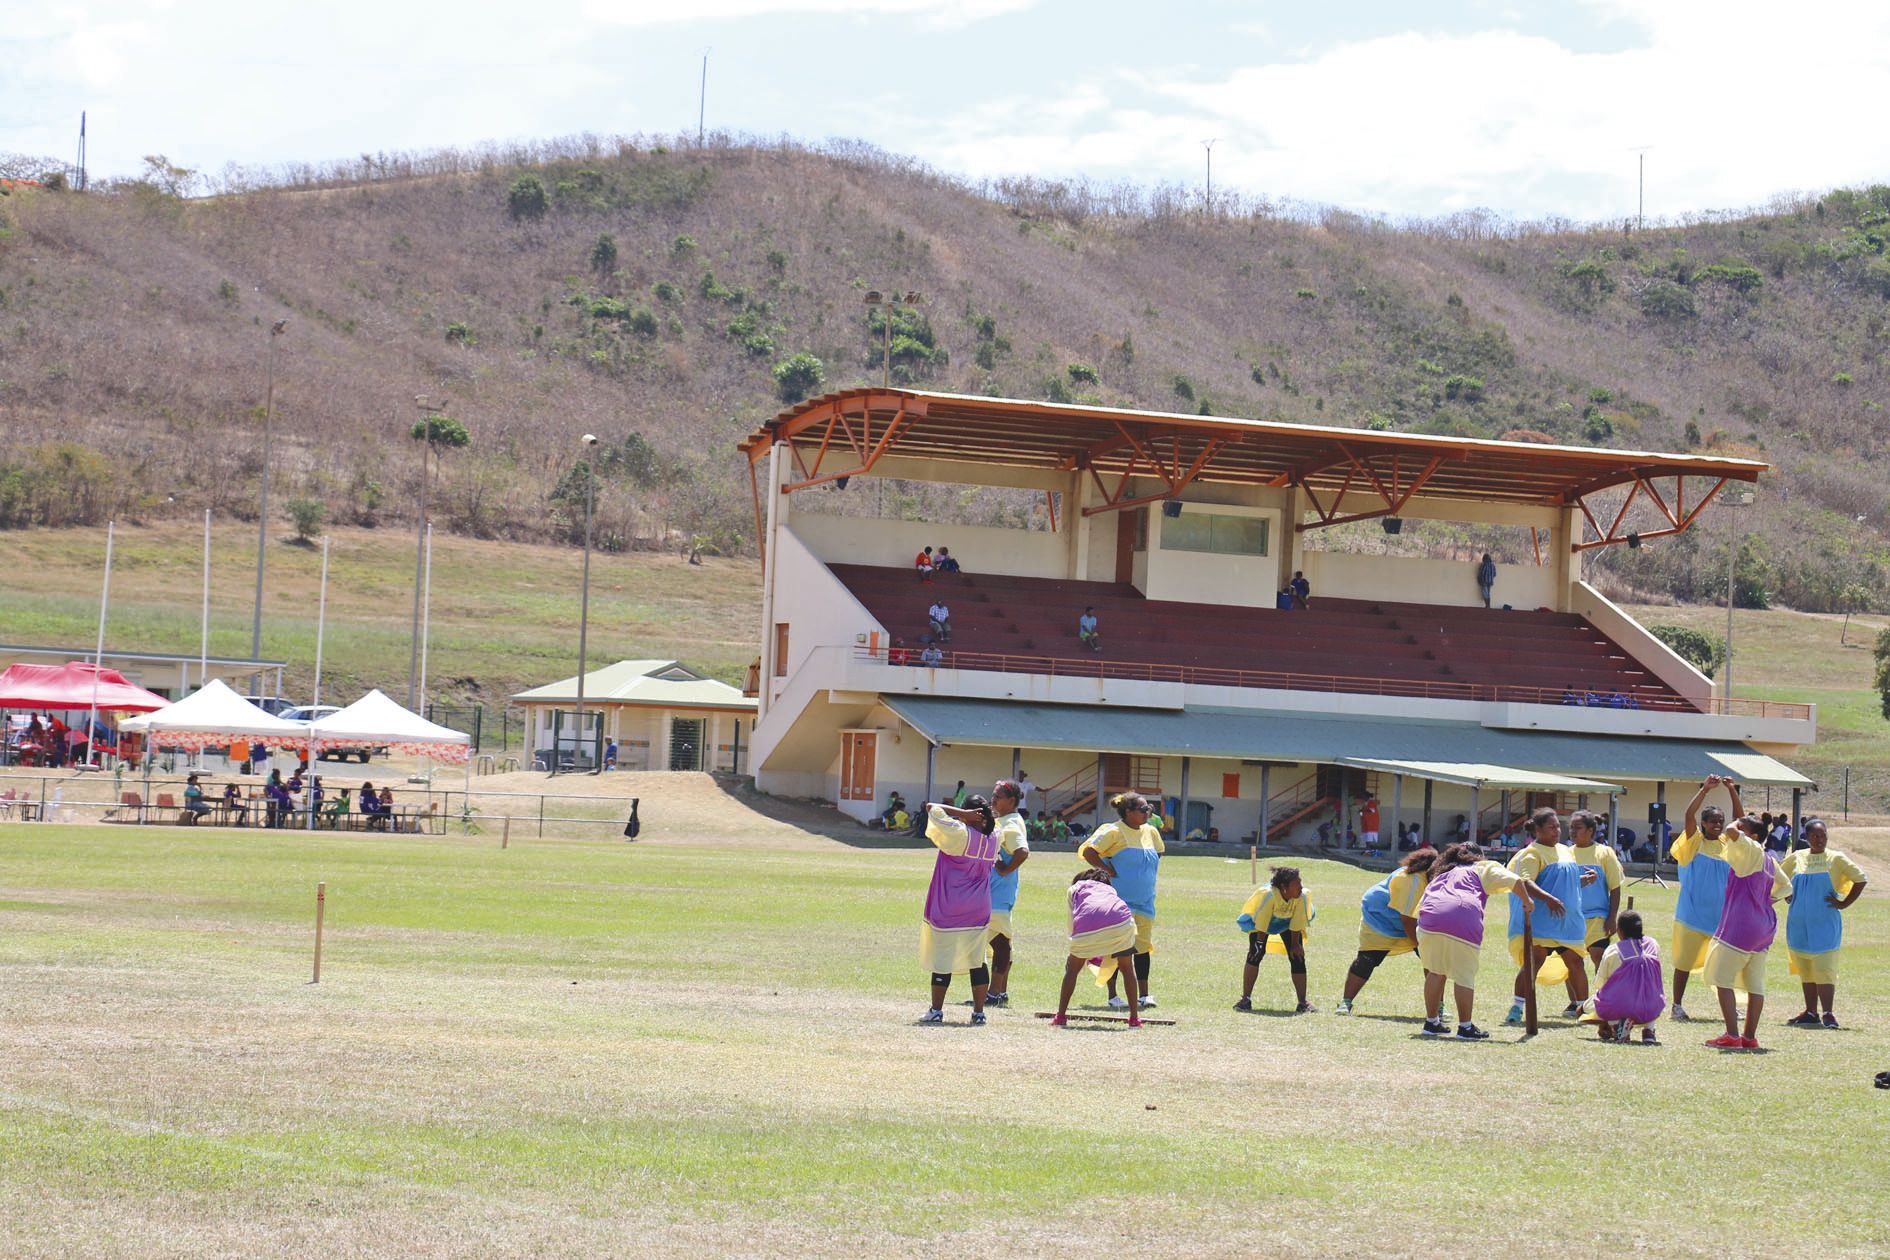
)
(1184, 388)
(307, 515)
(1703, 652)
(1083, 374)
(1882, 653)
(1741, 277)
(526, 199)
(746, 329)
(1464, 388)
(1587, 278)
(1664, 299)
(57, 484)
(798, 376)
(461, 333)
(604, 254)
(915, 349)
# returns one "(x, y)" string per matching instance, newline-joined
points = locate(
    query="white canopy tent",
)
(374, 719)
(213, 715)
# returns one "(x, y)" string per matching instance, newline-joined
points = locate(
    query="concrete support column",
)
(1429, 784)
(1101, 791)
(1181, 823)
(1474, 793)
(1798, 798)
(1397, 810)
(1266, 793)
(931, 769)
(1017, 762)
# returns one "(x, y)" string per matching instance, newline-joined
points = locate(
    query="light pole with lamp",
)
(584, 592)
(262, 511)
(425, 405)
(889, 302)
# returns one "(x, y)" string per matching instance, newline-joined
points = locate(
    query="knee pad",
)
(980, 975)
(1141, 970)
(1256, 948)
(942, 979)
(1366, 963)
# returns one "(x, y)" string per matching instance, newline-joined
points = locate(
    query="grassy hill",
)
(656, 291)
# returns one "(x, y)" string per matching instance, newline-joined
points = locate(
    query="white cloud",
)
(1735, 108)
(934, 13)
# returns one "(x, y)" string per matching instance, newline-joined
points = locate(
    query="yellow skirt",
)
(1104, 943)
(1815, 968)
(1000, 926)
(1553, 970)
(1370, 940)
(948, 951)
(1597, 930)
(1689, 948)
(1144, 933)
(1452, 957)
(1729, 968)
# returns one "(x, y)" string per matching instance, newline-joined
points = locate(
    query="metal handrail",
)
(1277, 680)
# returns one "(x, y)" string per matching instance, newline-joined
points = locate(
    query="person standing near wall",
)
(1013, 848)
(1486, 577)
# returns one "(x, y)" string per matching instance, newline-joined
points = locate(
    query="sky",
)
(1410, 110)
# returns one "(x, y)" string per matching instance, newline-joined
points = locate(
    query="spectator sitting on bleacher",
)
(899, 653)
(1036, 829)
(1302, 589)
(941, 616)
(946, 563)
(894, 805)
(1086, 630)
(1284, 600)
(194, 804)
(233, 804)
(923, 565)
(1408, 839)
(931, 656)
(337, 809)
(1570, 695)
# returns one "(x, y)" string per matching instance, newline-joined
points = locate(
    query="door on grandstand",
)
(859, 763)
(1126, 526)
(685, 743)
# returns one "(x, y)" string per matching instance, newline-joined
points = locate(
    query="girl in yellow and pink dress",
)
(958, 902)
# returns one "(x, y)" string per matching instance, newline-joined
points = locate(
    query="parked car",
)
(276, 705)
(331, 752)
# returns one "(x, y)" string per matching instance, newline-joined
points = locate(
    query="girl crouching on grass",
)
(1628, 987)
(1450, 929)
(1102, 928)
(1281, 909)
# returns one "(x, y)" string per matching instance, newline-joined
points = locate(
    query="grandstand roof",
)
(845, 433)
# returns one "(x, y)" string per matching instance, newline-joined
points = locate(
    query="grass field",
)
(709, 1049)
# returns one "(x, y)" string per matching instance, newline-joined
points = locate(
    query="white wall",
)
(817, 607)
(1633, 638)
(872, 540)
(1419, 580)
(1100, 530)
(1207, 577)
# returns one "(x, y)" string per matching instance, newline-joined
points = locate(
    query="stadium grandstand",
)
(1181, 535)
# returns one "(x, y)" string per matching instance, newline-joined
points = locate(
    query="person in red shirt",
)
(1368, 822)
(923, 564)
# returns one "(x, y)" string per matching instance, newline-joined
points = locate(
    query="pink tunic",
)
(1453, 905)
(1633, 990)
(1095, 905)
(960, 895)
(1749, 922)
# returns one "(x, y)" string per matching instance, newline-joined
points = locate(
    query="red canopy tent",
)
(74, 686)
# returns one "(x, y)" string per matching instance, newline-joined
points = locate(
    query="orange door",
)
(1125, 544)
(859, 757)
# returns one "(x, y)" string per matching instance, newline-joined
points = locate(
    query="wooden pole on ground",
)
(505, 837)
(321, 906)
(1529, 973)
(1099, 1017)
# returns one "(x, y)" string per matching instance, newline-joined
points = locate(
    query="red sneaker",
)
(1135, 1021)
(1726, 1041)
(1059, 1022)
(1748, 1043)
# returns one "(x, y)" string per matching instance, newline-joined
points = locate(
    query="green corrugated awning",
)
(1482, 775)
(1330, 739)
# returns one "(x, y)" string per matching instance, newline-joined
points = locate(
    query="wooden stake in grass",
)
(321, 906)
(1102, 1017)
(1529, 972)
(505, 837)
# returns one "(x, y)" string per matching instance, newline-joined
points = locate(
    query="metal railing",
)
(1279, 680)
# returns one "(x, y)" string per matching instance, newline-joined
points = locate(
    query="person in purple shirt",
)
(958, 902)
(1102, 928)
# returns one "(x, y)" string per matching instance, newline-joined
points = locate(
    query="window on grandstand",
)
(1222, 535)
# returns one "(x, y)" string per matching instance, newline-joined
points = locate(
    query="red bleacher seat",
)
(1336, 645)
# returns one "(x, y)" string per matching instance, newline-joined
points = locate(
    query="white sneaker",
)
(1343, 1008)
(1118, 1004)
(1148, 1003)
(1679, 1012)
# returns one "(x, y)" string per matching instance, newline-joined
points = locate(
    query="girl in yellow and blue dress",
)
(1281, 911)
(1824, 884)
(1131, 851)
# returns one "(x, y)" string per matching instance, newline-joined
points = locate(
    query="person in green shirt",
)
(958, 797)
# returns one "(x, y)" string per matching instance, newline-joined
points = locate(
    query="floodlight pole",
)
(419, 545)
(262, 511)
(1732, 558)
(1208, 200)
(584, 594)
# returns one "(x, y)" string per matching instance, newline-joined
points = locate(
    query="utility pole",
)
(419, 546)
(1209, 198)
(262, 510)
(888, 302)
(702, 101)
(1640, 205)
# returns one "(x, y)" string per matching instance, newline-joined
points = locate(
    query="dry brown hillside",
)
(134, 325)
